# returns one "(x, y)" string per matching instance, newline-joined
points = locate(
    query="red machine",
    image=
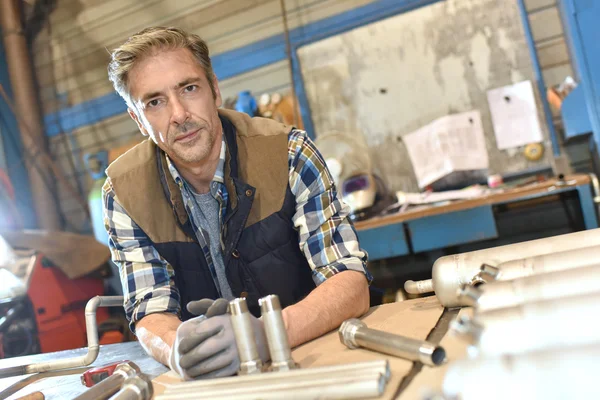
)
(49, 314)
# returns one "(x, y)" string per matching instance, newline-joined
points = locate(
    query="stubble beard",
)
(196, 150)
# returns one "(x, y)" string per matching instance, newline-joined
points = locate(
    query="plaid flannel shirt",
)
(326, 237)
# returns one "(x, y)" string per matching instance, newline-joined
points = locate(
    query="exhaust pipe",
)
(563, 373)
(451, 272)
(570, 321)
(553, 285)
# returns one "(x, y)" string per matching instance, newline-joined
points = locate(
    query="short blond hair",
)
(148, 42)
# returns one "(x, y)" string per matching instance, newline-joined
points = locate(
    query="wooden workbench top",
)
(501, 196)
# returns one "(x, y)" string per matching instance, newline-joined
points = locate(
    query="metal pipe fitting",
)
(569, 321)
(277, 339)
(355, 333)
(557, 374)
(138, 387)
(112, 384)
(92, 339)
(529, 266)
(418, 287)
(451, 272)
(250, 362)
(549, 286)
(339, 386)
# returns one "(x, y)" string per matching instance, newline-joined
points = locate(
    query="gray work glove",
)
(217, 355)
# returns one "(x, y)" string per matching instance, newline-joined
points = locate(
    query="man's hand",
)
(216, 355)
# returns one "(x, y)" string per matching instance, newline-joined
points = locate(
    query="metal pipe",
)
(451, 272)
(553, 285)
(80, 361)
(112, 384)
(419, 287)
(523, 267)
(381, 367)
(557, 374)
(27, 106)
(366, 385)
(354, 334)
(137, 387)
(277, 339)
(533, 326)
(250, 362)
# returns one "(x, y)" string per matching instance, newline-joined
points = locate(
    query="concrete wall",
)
(392, 77)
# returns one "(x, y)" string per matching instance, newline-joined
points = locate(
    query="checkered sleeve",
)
(146, 277)
(327, 237)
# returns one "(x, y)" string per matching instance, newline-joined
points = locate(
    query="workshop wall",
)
(72, 53)
(391, 77)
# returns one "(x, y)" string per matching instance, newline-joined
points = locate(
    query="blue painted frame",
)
(245, 59)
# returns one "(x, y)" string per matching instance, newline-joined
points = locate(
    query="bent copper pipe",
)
(92, 339)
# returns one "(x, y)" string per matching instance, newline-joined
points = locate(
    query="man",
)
(218, 205)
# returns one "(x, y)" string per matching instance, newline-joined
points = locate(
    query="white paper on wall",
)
(514, 115)
(448, 144)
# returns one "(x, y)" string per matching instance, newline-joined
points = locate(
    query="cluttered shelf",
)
(476, 197)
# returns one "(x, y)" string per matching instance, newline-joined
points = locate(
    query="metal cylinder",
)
(419, 287)
(250, 362)
(138, 387)
(451, 272)
(366, 385)
(569, 321)
(355, 333)
(549, 286)
(112, 384)
(544, 263)
(277, 339)
(563, 373)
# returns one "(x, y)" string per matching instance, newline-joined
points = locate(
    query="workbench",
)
(433, 227)
(422, 318)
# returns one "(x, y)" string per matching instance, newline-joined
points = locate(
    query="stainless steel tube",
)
(380, 367)
(569, 321)
(451, 272)
(355, 333)
(138, 387)
(250, 362)
(529, 266)
(277, 339)
(366, 385)
(552, 285)
(418, 287)
(563, 373)
(92, 339)
(112, 384)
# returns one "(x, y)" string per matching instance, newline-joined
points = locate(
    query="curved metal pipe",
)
(557, 374)
(419, 287)
(569, 321)
(549, 286)
(92, 339)
(450, 273)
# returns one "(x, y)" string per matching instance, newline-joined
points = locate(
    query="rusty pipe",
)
(450, 273)
(80, 361)
(30, 117)
(569, 321)
(549, 286)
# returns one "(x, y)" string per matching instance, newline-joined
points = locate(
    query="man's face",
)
(175, 105)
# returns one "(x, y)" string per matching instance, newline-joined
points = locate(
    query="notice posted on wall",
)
(451, 143)
(514, 115)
